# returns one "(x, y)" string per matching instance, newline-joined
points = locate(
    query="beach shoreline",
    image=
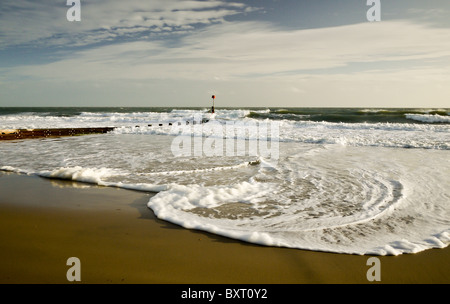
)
(118, 239)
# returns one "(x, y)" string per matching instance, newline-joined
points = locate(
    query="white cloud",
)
(44, 22)
(257, 50)
(388, 60)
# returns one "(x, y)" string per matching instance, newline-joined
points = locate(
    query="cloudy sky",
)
(268, 53)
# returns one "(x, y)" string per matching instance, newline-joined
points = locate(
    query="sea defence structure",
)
(12, 134)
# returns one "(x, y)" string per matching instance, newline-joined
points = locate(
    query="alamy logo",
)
(74, 12)
(374, 272)
(374, 13)
(230, 138)
(74, 272)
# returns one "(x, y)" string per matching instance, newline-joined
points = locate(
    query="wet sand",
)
(118, 240)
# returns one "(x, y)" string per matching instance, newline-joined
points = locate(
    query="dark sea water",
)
(336, 115)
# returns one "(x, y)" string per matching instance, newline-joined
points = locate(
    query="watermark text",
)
(374, 12)
(230, 138)
(74, 272)
(374, 272)
(74, 12)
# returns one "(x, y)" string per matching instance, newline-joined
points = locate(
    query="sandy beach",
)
(119, 240)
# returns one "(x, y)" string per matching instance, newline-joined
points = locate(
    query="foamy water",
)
(357, 188)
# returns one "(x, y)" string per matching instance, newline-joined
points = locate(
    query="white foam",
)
(396, 135)
(87, 175)
(437, 241)
(16, 170)
(95, 176)
(335, 187)
(428, 118)
(303, 203)
(381, 135)
(376, 211)
(220, 168)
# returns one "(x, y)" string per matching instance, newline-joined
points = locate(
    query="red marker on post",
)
(213, 98)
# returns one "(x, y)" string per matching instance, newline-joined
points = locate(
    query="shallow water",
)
(358, 188)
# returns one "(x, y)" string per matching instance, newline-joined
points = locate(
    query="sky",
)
(254, 53)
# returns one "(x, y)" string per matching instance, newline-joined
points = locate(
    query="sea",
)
(365, 181)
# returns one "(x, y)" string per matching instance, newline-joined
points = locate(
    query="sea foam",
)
(429, 118)
(355, 188)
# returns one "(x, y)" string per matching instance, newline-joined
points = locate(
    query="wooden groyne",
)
(11, 134)
(42, 133)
